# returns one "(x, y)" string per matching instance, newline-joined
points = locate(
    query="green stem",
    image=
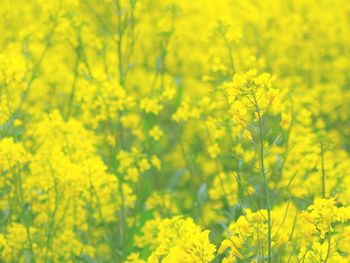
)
(120, 32)
(266, 186)
(74, 84)
(329, 245)
(21, 202)
(323, 173)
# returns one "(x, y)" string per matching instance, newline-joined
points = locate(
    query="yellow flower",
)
(156, 162)
(156, 133)
(150, 105)
(247, 135)
(132, 174)
(214, 150)
(144, 165)
(286, 120)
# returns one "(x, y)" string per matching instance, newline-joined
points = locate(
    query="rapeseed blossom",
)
(174, 131)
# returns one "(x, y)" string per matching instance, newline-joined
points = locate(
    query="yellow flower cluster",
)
(177, 240)
(174, 131)
(250, 232)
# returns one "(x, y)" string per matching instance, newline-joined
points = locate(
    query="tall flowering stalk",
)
(251, 97)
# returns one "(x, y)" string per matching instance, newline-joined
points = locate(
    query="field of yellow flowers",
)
(175, 131)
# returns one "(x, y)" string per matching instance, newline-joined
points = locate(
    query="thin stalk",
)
(323, 173)
(329, 245)
(120, 32)
(37, 66)
(53, 215)
(266, 186)
(121, 27)
(21, 202)
(74, 84)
